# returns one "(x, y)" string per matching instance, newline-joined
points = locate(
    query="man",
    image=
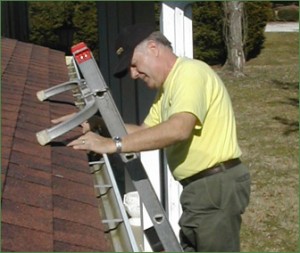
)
(192, 118)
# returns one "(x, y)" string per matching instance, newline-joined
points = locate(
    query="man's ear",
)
(153, 47)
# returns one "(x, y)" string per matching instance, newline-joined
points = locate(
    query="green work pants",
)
(212, 209)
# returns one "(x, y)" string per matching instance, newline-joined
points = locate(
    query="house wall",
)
(14, 20)
(132, 98)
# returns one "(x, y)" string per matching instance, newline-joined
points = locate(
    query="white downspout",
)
(176, 25)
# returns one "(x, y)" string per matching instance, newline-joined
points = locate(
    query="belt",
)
(211, 171)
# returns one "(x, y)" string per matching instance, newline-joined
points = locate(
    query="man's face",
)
(145, 65)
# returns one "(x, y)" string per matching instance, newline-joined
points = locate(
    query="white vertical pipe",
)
(176, 25)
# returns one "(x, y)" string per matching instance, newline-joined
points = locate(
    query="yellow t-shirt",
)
(192, 86)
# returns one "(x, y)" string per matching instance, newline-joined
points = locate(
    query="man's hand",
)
(94, 142)
(94, 123)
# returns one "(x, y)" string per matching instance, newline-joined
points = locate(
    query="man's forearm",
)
(131, 128)
(178, 128)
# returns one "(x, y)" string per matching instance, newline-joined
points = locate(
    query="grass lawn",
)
(266, 104)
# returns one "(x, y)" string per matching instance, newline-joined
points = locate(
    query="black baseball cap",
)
(126, 42)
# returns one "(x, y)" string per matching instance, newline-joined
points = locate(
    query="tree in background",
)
(233, 24)
(61, 24)
(257, 14)
(47, 17)
(209, 36)
(209, 44)
(85, 20)
(51, 21)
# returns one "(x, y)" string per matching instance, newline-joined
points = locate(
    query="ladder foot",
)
(43, 137)
(41, 95)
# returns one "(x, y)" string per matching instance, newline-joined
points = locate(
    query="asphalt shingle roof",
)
(48, 199)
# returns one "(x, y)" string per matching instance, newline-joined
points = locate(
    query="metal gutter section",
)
(114, 215)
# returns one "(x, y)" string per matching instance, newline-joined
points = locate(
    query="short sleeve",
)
(154, 116)
(190, 92)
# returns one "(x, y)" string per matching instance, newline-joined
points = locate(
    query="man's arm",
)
(176, 129)
(131, 128)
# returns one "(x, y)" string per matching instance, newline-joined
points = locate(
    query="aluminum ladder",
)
(93, 90)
